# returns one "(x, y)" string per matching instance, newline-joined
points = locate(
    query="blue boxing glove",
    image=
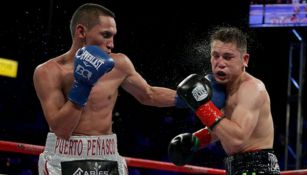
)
(218, 94)
(179, 103)
(90, 64)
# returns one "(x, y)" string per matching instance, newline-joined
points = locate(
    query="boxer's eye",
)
(228, 56)
(107, 35)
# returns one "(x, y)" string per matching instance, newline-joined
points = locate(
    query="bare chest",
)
(231, 103)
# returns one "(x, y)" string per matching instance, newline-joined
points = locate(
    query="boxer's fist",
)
(182, 148)
(179, 103)
(218, 92)
(197, 92)
(89, 65)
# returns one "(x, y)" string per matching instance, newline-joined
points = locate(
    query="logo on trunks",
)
(89, 167)
(96, 171)
(274, 167)
(200, 92)
(92, 147)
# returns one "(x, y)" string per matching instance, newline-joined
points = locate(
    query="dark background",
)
(166, 41)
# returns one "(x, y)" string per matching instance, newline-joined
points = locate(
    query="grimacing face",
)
(227, 62)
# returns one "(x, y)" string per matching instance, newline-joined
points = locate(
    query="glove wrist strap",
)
(179, 103)
(203, 137)
(209, 115)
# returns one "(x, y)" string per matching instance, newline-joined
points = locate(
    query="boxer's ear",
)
(245, 59)
(80, 31)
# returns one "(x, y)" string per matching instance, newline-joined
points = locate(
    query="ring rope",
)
(29, 149)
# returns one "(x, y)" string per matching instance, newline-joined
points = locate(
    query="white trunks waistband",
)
(86, 147)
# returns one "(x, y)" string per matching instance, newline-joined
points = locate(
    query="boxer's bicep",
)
(246, 114)
(46, 87)
(133, 83)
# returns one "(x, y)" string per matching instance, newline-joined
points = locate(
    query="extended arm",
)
(146, 94)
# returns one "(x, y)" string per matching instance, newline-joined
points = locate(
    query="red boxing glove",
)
(209, 114)
(204, 137)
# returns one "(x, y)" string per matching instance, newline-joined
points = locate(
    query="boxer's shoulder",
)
(57, 66)
(119, 57)
(122, 62)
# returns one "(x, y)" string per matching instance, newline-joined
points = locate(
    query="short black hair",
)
(88, 15)
(230, 35)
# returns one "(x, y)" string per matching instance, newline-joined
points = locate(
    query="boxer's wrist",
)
(179, 103)
(209, 115)
(203, 137)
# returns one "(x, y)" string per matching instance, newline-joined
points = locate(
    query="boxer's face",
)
(102, 34)
(226, 61)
